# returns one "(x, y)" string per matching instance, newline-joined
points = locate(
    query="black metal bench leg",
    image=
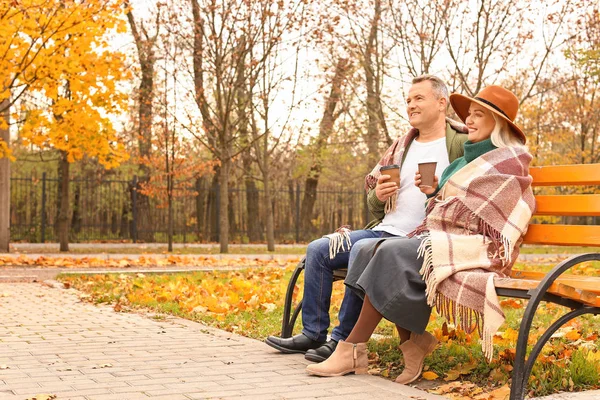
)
(521, 371)
(287, 325)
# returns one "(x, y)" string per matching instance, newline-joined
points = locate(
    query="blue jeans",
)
(318, 283)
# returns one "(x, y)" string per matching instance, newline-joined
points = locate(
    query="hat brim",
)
(461, 104)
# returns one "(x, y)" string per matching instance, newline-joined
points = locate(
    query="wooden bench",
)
(579, 293)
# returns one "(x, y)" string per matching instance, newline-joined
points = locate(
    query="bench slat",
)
(589, 283)
(568, 205)
(563, 235)
(559, 289)
(566, 175)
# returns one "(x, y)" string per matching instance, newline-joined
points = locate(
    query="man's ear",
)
(443, 104)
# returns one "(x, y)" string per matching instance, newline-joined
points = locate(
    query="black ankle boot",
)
(322, 353)
(296, 344)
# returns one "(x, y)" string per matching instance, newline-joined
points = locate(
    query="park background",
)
(239, 125)
(255, 121)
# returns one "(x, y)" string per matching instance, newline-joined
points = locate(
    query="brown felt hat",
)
(498, 100)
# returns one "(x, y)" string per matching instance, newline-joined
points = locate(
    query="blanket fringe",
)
(339, 241)
(427, 270)
(390, 203)
(466, 318)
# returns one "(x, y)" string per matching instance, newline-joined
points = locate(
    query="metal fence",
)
(111, 210)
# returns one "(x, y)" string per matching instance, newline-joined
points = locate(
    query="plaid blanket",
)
(471, 233)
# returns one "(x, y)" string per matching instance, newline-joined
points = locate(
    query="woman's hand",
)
(384, 190)
(423, 188)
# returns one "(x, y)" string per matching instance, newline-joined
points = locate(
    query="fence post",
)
(43, 233)
(134, 209)
(297, 212)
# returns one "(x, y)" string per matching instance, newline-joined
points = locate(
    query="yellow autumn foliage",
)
(55, 63)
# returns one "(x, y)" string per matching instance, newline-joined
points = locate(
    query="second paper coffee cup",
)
(393, 171)
(427, 171)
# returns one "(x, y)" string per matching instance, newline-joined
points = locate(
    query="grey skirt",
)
(387, 270)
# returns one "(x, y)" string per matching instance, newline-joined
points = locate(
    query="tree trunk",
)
(325, 130)
(233, 226)
(212, 217)
(269, 213)
(224, 205)
(291, 215)
(76, 219)
(63, 214)
(104, 223)
(124, 228)
(145, 47)
(144, 225)
(5, 183)
(200, 207)
(113, 222)
(252, 211)
(373, 101)
(170, 215)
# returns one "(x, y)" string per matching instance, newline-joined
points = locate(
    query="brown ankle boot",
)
(415, 350)
(347, 358)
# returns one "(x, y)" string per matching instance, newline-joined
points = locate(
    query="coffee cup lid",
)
(385, 168)
(427, 160)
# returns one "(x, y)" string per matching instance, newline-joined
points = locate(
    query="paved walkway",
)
(52, 343)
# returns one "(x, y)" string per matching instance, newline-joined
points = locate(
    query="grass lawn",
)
(250, 302)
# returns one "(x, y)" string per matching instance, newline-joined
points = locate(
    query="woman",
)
(475, 221)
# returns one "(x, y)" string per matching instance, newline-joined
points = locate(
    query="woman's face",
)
(480, 123)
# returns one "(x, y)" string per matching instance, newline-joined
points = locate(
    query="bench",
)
(579, 293)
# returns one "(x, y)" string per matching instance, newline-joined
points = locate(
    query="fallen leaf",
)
(447, 388)
(430, 375)
(573, 335)
(42, 397)
(500, 393)
(200, 309)
(103, 366)
(452, 375)
(269, 307)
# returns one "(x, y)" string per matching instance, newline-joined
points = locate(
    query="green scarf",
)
(472, 151)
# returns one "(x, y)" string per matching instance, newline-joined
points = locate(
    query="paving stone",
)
(65, 346)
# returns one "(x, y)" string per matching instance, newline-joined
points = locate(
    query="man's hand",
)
(384, 190)
(426, 189)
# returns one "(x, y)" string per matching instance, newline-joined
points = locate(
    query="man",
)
(432, 137)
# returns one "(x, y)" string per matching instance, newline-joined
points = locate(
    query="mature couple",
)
(414, 257)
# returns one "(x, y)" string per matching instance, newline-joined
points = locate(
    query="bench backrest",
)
(566, 205)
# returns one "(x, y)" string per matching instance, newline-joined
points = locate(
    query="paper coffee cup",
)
(427, 171)
(393, 171)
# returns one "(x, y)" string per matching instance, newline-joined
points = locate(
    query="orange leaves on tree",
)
(58, 53)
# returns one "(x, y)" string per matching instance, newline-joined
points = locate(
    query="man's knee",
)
(316, 250)
(316, 247)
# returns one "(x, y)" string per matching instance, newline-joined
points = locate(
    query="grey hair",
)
(439, 87)
(502, 136)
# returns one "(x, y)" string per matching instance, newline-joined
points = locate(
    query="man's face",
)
(422, 106)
